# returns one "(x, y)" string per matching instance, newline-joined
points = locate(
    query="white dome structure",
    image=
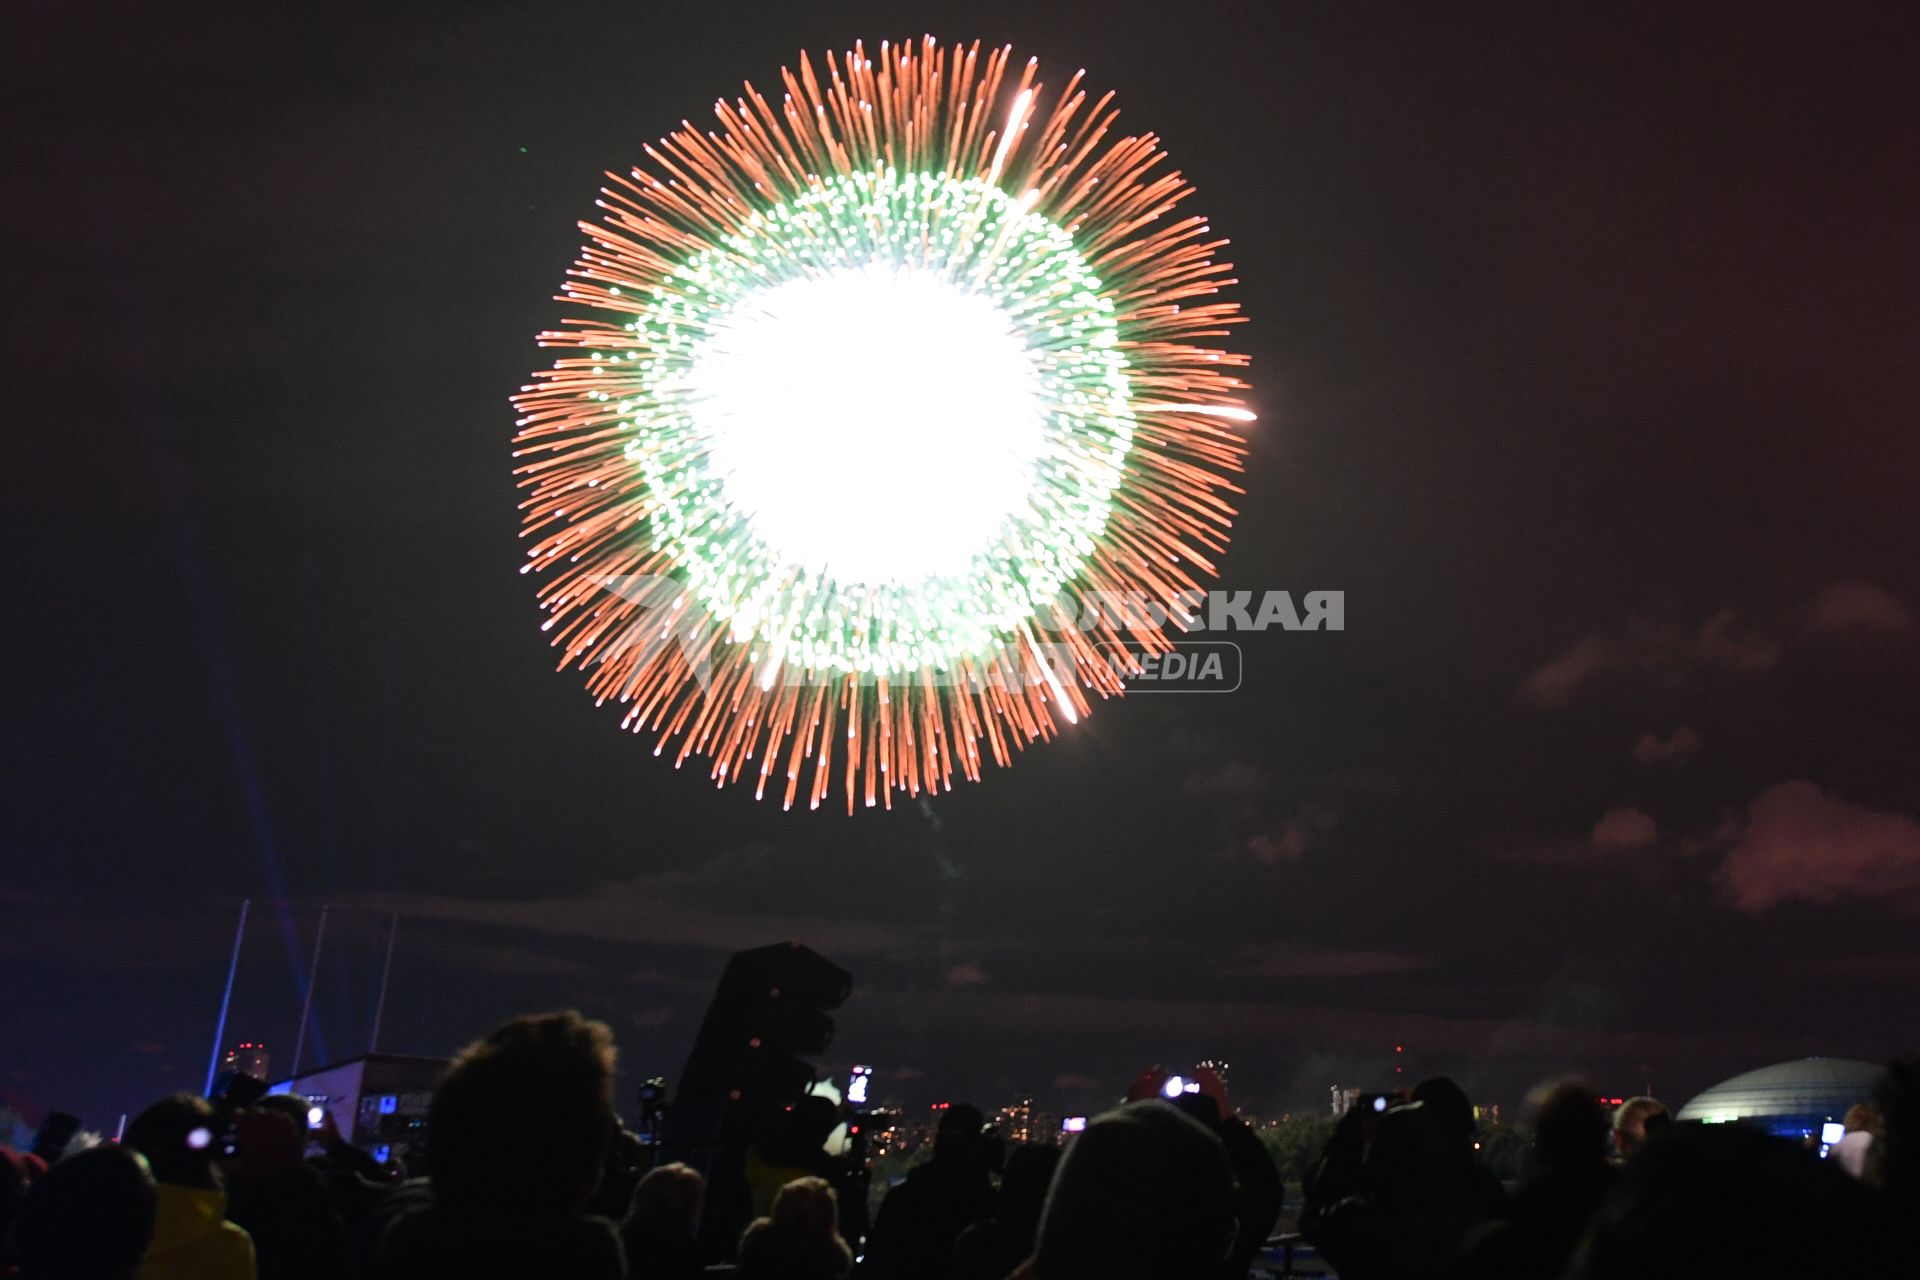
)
(1792, 1099)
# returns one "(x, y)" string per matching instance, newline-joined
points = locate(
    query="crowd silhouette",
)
(530, 1175)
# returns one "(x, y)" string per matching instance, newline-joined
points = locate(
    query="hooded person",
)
(1259, 1192)
(1421, 1192)
(921, 1218)
(1145, 1193)
(192, 1239)
(992, 1248)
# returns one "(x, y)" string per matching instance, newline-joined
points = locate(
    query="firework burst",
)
(888, 381)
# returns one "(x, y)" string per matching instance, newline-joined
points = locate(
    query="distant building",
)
(1344, 1096)
(379, 1101)
(916, 1131)
(885, 1131)
(1015, 1121)
(246, 1058)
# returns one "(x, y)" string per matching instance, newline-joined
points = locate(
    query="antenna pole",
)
(386, 973)
(306, 1009)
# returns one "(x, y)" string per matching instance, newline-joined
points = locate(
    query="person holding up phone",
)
(283, 1201)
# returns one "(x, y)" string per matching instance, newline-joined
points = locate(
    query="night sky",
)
(1584, 346)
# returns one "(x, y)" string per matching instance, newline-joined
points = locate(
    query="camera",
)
(232, 1093)
(653, 1106)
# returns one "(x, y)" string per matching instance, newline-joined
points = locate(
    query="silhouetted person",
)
(1448, 1105)
(793, 1148)
(1341, 1170)
(662, 1227)
(1467, 1180)
(853, 1184)
(283, 1202)
(362, 1193)
(13, 1190)
(921, 1218)
(192, 1239)
(342, 1156)
(992, 1248)
(799, 1239)
(1145, 1193)
(1572, 1137)
(1893, 1162)
(1633, 1122)
(1258, 1188)
(89, 1217)
(1423, 1192)
(1727, 1202)
(626, 1162)
(516, 1143)
(56, 1134)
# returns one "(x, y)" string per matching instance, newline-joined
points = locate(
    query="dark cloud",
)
(1556, 682)
(966, 974)
(1722, 642)
(1293, 837)
(652, 1018)
(1676, 748)
(657, 911)
(1623, 829)
(1801, 843)
(1658, 652)
(1230, 779)
(1847, 608)
(1302, 959)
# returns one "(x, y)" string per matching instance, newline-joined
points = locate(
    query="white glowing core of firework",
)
(875, 424)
